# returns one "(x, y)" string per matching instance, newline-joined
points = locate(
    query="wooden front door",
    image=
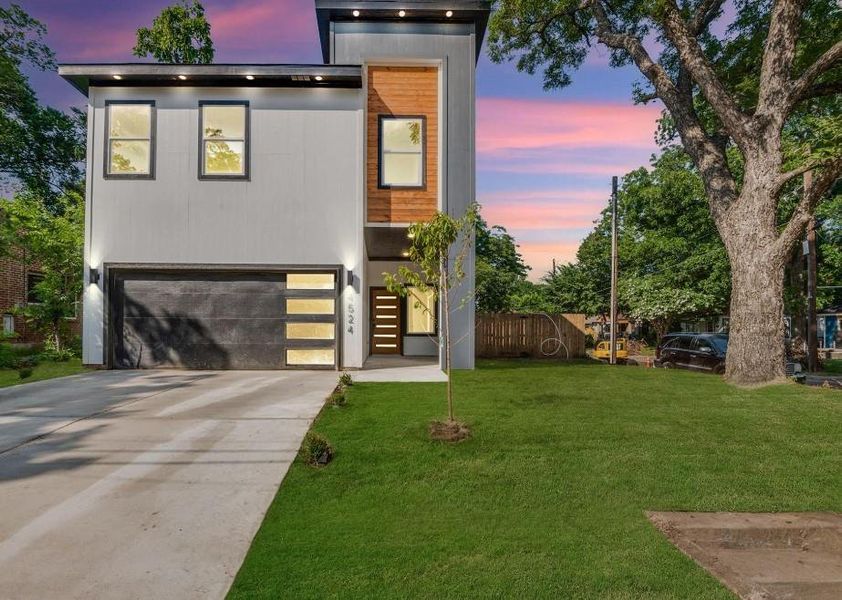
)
(385, 309)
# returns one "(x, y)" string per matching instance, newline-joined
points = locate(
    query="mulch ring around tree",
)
(449, 431)
(762, 556)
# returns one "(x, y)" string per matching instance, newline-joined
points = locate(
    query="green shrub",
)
(345, 380)
(338, 398)
(25, 372)
(54, 355)
(316, 450)
(26, 362)
(8, 356)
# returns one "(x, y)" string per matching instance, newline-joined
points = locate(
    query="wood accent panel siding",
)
(400, 91)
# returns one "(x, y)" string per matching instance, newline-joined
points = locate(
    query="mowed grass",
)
(547, 499)
(44, 370)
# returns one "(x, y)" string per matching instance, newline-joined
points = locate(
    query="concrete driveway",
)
(126, 484)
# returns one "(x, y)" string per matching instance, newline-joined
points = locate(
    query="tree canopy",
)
(732, 100)
(500, 270)
(41, 148)
(180, 34)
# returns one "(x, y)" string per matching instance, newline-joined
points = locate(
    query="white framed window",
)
(130, 139)
(420, 311)
(402, 152)
(8, 323)
(224, 140)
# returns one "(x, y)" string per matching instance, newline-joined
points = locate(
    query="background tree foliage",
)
(41, 149)
(500, 270)
(53, 239)
(735, 101)
(180, 34)
(672, 261)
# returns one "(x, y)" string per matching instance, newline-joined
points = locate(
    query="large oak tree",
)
(726, 95)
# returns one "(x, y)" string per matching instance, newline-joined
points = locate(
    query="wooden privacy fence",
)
(504, 335)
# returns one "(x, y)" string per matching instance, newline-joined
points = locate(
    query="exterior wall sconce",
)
(93, 275)
(350, 278)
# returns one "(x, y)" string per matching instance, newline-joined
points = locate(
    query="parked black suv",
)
(698, 351)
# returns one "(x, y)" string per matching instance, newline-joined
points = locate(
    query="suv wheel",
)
(668, 365)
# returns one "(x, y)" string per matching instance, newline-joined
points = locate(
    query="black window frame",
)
(246, 174)
(381, 119)
(153, 142)
(30, 287)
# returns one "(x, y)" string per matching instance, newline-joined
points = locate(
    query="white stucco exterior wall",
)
(302, 206)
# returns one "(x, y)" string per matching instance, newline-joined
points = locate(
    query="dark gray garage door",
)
(223, 320)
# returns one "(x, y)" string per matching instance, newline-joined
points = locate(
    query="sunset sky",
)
(544, 159)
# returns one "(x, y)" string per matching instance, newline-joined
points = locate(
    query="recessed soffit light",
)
(182, 77)
(448, 14)
(356, 13)
(250, 77)
(401, 13)
(118, 77)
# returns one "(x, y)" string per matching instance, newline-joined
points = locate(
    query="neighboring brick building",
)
(14, 273)
(17, 278)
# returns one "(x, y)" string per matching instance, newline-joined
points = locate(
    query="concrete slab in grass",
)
(763, 556)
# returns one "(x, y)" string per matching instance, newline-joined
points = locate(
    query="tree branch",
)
(705, 13)
(778, 54)
(697, 64)
(801, 87)
(708, 156)
(831, 172)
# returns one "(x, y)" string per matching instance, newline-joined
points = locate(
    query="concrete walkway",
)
(143, 484)
(400, 369)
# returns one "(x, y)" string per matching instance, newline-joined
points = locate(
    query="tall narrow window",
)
(402, 148)
(224, 144)
(8, 324)
(130, 144)
(420, 311)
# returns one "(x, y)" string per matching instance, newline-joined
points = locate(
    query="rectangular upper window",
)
(130, 140)
(224, 143)
(402, 149)
(8, 323)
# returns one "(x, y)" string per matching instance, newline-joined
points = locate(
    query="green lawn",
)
(833, 366)
(44, 370)
(547, 499)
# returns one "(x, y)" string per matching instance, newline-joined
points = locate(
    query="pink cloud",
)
(540, 255)
(524, 216)
(505, 125)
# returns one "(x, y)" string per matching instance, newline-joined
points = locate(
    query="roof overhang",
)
(85, 76)
(475, 12)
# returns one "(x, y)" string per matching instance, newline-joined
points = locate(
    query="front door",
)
(385, 323)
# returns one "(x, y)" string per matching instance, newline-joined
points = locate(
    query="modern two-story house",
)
(241, 216)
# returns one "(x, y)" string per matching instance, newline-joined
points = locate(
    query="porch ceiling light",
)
(448, 14)
(401, 13)
(356, 13)
(182, 77)
(319, 78)
(405, 253)
(250, 77)
(118, 77)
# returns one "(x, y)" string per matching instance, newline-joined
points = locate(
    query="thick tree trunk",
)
(756, 351)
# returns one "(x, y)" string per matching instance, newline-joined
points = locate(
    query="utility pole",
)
(812, 321)
(613, 338)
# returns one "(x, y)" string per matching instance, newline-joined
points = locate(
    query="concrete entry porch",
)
(401, 369)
